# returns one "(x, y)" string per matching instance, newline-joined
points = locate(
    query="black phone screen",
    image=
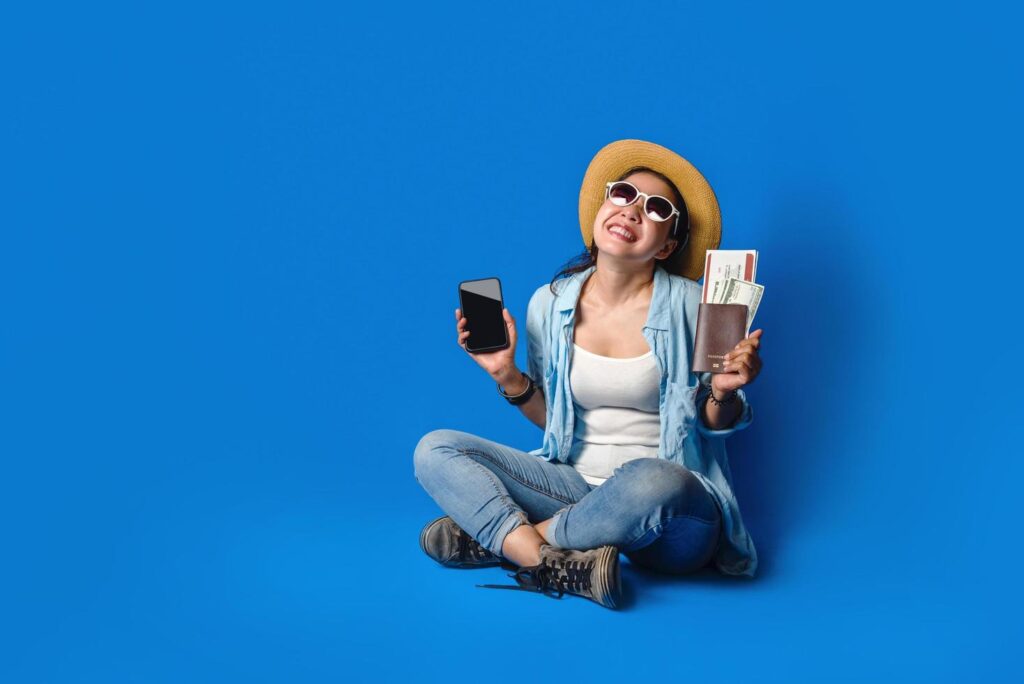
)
(482, 305)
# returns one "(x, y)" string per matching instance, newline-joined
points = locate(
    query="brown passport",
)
(720, 327)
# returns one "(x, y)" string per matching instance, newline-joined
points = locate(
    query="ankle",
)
(544, 530)
(522, 546)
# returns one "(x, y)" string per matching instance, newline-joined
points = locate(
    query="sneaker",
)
(449, 545)
(592, 574)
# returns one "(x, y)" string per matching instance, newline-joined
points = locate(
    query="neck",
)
(616, 285)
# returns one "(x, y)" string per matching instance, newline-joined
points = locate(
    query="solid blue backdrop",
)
(229, 266)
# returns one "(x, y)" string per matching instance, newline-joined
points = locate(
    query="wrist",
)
(719, 397)
(511, 380)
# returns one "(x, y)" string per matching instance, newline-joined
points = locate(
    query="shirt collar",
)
(657, 314)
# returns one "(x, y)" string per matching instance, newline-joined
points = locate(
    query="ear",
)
(666, 251)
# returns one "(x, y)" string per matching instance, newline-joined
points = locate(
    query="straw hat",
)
(618, 157)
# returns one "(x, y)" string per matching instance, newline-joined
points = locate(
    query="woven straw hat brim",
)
(616, 158)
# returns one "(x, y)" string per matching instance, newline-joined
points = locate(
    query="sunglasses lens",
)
(622, 194)
(658, 208)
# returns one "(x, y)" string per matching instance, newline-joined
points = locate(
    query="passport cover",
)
(720, 327)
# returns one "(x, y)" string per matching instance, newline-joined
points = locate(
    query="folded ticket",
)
(736, 291)
(722, 264)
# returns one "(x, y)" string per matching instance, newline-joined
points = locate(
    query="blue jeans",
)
(655, 511)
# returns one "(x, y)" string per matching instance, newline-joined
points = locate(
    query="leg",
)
(656, 511)
(522, 545)
(544, 529)
(491, 490)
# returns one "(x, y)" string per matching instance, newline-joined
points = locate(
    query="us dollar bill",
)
(738, 291)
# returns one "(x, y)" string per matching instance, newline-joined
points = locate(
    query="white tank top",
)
(616, 405)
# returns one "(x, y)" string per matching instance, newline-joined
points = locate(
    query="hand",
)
(500, 364)
(742, 365)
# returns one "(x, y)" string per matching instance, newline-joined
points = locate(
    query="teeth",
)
(619, 231)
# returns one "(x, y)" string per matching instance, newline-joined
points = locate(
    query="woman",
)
(633, 457)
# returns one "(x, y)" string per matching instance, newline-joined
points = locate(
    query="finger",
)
(461, 325)
(737, 352)
(737, 365)
(739, 368)
(748, 366)
(511, 324)
(750, 341)
(736, 361)
(744, 357)
(746, 346)
(458, 313)
(753, 372)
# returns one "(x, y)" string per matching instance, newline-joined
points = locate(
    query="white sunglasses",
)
(657, 208)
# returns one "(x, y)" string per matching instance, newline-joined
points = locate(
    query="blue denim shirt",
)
(685, 439)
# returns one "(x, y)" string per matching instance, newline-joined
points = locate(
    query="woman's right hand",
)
(500, 364)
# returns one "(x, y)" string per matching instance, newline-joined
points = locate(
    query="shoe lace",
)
(554, 580)
(470, 549)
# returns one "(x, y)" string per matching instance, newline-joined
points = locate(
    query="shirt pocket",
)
(682, 404)
(548, 383)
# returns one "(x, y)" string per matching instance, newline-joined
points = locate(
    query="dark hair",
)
(588, 257)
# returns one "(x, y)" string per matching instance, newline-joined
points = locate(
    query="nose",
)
(633, 210)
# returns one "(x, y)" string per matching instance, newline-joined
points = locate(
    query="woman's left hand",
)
(742, 365)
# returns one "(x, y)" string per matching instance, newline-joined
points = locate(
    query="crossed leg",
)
(655, 511)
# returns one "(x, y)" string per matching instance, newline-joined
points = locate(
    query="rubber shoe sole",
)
(607, 580)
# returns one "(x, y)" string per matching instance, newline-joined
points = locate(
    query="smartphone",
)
(481, 306)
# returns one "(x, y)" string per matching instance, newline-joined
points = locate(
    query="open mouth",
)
(622, 233)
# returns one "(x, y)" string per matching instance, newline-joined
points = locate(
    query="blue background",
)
(229, 269)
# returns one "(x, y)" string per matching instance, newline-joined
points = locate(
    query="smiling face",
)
(648, 239)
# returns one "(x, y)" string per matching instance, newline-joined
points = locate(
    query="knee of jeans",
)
(434, 444)
(668, 485)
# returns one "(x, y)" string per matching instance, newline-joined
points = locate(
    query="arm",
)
(501, 365)
(743, 364)
(741, 419)
(721, 417)
(513, 382)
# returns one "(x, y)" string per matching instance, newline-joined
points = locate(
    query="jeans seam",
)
(668, 520)
(520, 480)
(513, 508)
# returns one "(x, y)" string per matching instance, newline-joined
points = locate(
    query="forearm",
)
(513, 383)
(720, 417)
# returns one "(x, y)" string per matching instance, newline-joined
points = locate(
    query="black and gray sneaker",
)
(449, 545)
(592, 574)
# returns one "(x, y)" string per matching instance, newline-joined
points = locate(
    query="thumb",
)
(510, 323)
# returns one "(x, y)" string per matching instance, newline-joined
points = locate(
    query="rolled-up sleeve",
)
(744, 419)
